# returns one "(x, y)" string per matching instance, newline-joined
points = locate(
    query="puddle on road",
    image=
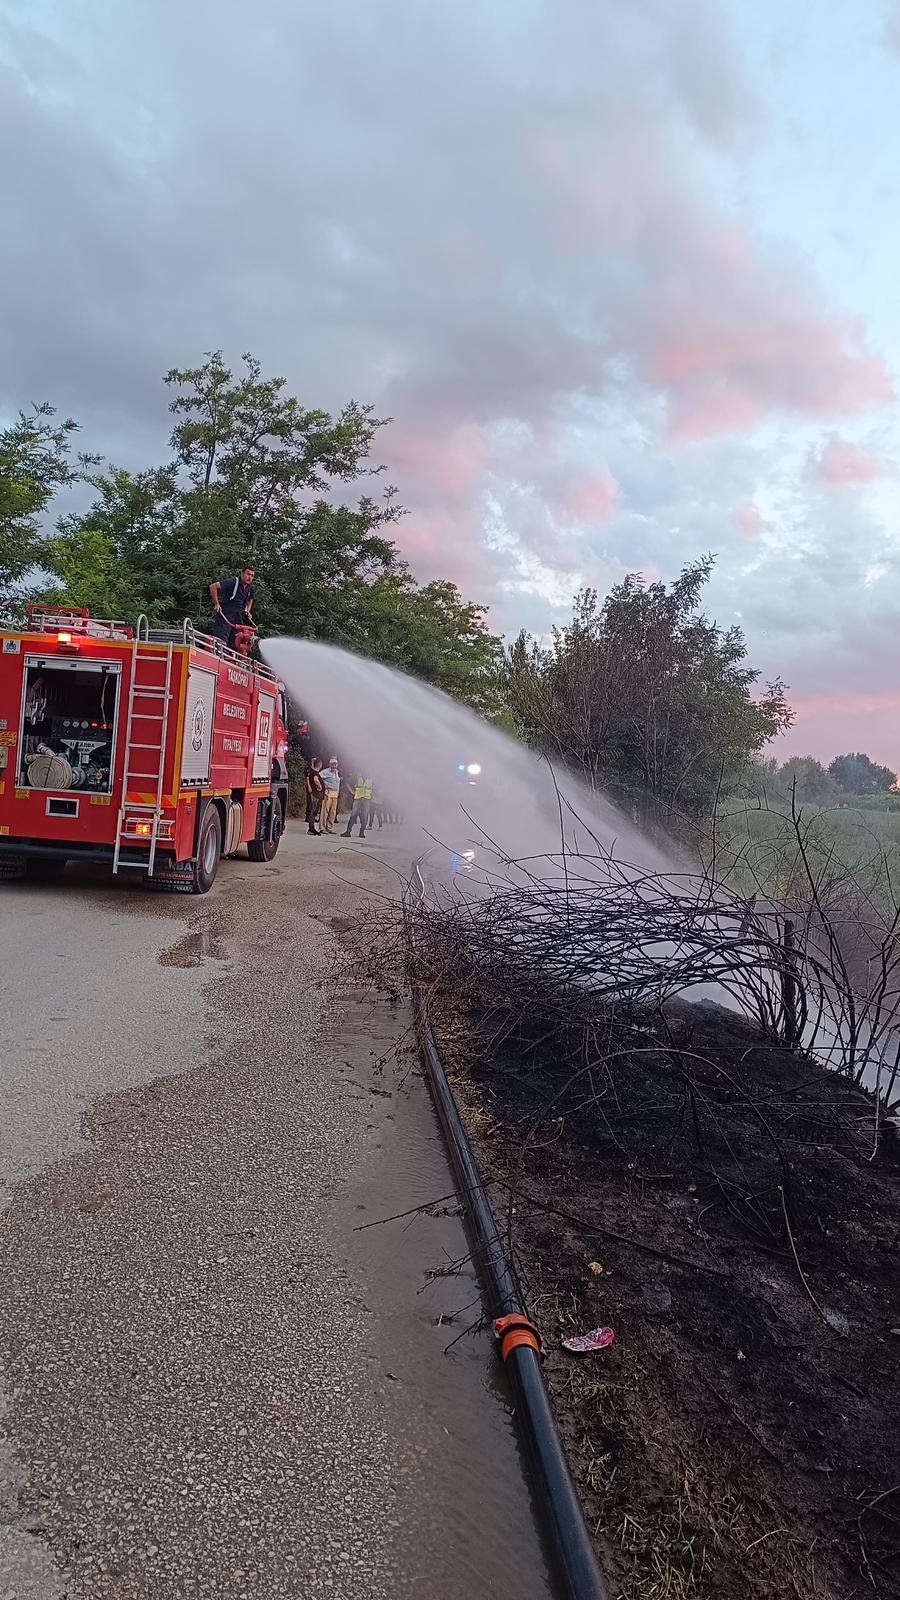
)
(472, 1528)
(193, 949)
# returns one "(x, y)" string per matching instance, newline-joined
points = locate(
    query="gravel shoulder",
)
(212, 1386)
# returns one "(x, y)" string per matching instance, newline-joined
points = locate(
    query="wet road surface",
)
(211, 1382)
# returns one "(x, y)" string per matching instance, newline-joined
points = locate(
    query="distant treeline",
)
(852, 779)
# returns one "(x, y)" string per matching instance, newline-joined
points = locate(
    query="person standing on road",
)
(362, 805)
(376, 810)
(315, 792)
(331, 778)
(232, 600)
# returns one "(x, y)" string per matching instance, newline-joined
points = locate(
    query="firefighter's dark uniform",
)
(234, 598)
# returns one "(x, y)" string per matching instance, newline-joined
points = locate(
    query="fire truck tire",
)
(209, 851)
(44, 869)
(265, 849)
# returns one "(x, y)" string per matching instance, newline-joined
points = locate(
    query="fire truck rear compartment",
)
(68, 726)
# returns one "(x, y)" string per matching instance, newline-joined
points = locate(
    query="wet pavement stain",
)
(203, 944)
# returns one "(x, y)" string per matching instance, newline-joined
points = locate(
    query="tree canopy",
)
(859, 774)
(641, 692)
(35, 460)
(253, 477)
(646, 695)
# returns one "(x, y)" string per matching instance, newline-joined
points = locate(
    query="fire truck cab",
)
(151, 748)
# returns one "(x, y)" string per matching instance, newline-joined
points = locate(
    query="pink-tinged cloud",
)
(856, 702)
(591, 498)
(828, 724)
(448, 461)
(748, 520)
(442, 544)
(841, 462)
(724, 370)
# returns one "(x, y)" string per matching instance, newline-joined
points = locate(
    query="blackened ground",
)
(740, 1438)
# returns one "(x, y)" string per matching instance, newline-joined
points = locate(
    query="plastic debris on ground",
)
(584, 1343)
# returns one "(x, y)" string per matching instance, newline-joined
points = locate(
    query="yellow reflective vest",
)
(363, 790)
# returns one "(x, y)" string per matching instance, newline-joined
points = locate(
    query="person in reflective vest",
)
(362, 806)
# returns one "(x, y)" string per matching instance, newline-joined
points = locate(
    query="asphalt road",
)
(211, 1384)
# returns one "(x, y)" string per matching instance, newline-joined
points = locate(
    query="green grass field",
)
(853, 855)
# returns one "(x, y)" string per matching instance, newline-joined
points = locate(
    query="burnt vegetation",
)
(685, 1110)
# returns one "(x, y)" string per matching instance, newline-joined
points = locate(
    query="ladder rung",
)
(140, 691)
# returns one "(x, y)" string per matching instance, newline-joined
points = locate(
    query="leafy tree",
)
(256, 477)
(645, 695)
(858, 774)
(248, 482)
(434, 634)
(34, 463)
(116, 558)
(808, 779)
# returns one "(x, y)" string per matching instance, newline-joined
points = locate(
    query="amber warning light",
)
(64, 638)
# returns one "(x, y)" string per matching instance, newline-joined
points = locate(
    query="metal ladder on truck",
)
(139, 770)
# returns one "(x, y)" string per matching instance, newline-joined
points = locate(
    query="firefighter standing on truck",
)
(232, 600)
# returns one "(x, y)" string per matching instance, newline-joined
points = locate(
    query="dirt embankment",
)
(716, 1200)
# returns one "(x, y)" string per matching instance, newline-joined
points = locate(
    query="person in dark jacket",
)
(315, 794)
(232, 600)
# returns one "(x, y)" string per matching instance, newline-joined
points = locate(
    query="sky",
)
(624, 276)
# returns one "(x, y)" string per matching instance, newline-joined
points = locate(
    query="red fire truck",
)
(149, 748)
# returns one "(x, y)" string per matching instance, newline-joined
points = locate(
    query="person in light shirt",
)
(331, 777)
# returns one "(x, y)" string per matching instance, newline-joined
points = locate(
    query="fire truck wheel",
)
(265, 849)
(209, 850)
(44, 869)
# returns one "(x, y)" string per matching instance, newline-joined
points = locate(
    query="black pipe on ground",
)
(564, 1526)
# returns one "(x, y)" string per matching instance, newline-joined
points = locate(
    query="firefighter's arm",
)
(214, 595)
(249, 607)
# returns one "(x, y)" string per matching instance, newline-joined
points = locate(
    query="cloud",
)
(851, 705)
(840, 462)
(826, 727)
(510, 235)
(450, 462)
(521, 231)
(748, 520)
(591, 498)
